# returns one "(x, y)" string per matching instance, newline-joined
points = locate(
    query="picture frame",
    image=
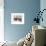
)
(17, 18)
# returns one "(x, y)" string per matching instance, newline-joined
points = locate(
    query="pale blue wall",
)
(43, 6)
(29, 8)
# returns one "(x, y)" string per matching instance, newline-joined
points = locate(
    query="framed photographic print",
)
(17, 18)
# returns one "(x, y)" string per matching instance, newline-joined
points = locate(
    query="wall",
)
(29, 8)
(43, 6)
